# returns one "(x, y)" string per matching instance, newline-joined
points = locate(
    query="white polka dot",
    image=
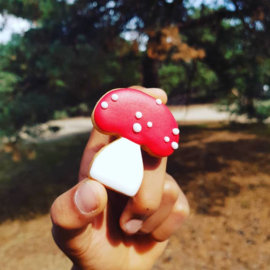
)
(114, 97)
(138, 115)
(175, 131)
(174, 145)
(166, 139)
(158, 101)
(137, 127)
(149, 124)
(104, 105)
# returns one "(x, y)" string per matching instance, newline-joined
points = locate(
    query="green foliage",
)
(176, 78)
(51, 81)
(262, 109)
(171, 76)
(23, 111)
(52, 76)
(7, 82)
(205, 80)
(237, 52)
(74, 53)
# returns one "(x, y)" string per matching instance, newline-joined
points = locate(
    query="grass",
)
(224, 171)
(28, 188)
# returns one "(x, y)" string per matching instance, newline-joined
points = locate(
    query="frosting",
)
(114, 97)
(174, 145)
(166, 139)
(158, 101)
(104, 105)
(119, 118)
(138, 115)
(176, 131)
(112, 168)
(137, 127)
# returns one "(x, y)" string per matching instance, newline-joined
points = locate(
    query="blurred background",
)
(212, 57)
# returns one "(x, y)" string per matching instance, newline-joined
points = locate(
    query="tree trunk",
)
(150, 72)
(251, 111)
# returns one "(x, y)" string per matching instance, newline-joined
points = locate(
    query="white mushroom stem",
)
(119, 166)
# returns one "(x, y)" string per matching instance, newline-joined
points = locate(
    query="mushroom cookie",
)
(138, 120)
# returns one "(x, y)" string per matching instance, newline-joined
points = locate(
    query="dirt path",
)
(226, 177)
(183, 114)
(29, 245)
(195, 114)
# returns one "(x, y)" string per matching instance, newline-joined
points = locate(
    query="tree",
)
(236, 49)
(76, 52)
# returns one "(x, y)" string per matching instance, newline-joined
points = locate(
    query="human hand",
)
(101, 229)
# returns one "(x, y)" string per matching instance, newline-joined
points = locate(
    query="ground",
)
(224, 171)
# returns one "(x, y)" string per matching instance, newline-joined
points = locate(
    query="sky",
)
(19, 25)
(210, 3)
(12, 25)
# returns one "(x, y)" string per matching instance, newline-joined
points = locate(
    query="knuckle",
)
(171, 190)
(146, 206)
(58, 212)
(160, 237)
(144, 230)
(169, 177)
(181, 210)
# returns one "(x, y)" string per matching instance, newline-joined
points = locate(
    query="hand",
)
(101, 229)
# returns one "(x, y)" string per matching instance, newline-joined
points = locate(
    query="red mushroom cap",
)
(138, 117)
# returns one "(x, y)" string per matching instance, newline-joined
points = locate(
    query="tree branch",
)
(217, 16)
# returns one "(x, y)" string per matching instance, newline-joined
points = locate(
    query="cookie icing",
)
(138, 117)
(137, 127)
(113, 169)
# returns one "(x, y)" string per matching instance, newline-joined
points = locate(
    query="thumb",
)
(74, 211)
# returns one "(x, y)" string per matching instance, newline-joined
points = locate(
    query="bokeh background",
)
(57, 58)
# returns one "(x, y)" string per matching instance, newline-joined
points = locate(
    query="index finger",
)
(154, 92)
(98, 140)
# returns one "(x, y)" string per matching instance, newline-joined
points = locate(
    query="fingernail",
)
(133, 226)
(85, 198)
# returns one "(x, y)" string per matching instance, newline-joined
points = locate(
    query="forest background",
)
(75, 51)
(199, 52)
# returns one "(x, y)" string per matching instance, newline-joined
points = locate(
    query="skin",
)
(108, 230)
